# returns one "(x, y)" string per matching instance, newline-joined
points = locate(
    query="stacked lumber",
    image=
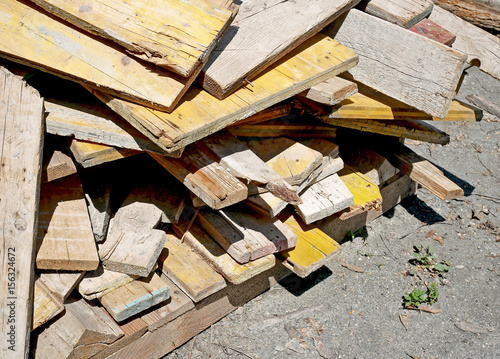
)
(164, 162)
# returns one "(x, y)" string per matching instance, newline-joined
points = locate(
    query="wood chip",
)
(352, 267)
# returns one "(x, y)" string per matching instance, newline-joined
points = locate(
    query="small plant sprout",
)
(427, 259)
(418, 296)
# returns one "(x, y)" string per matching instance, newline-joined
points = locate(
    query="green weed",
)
(418, 296)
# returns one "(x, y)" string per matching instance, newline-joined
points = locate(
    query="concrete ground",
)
(340, 313)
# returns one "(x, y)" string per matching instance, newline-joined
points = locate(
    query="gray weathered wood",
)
(399, 63)
(97, 194)
(261, 33)
(97, 283)
(21, 139)
(404, 13)
(61, 284)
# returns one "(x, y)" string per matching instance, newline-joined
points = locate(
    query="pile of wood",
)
(163, 162)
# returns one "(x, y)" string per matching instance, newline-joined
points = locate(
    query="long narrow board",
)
(477, 43)
(480, 13)
(425, 77)
(188, 270)
(414, 129)
(94, 122)
(65, 237)
(205, 177)
(203, 244)
(45, 305)
(200, 114)
(314, 248)
(89, 154)
(331, 92)
(284, 129)
(176, 35)
(372, 105)
(404, 13)
(261, 34)
(35, 38)
(21, 139)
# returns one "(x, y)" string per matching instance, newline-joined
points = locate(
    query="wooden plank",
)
(65, 238)
(425, 78)
(366, 161)
(205, 177)
(331, 92)
(271, 113)
(81, 332)
(433, 31)
(482, 48)
(474, 12)
(323, 199)
(243, 163)
(188, 270)
(35, 38)
(293, 161)
(266, 33)
(404, 13)
(201, 114)
(314, 248)
(414, 129)
(373, 105)
(61, 284)
(202, 243)
(423, 172)
(57, 165)
(90, 154)
(94, 122)
(21, 139)
(134, 297)
(282, 129)
(45, 305)
(101, 281)
(176, 35)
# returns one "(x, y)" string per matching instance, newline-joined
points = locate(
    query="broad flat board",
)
(21, 138)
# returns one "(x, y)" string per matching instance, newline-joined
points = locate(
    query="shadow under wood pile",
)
(163, 164)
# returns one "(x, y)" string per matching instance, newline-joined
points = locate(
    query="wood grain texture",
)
(404, 13)
(372, 105)
(414, 129)
(424, 77)
(21, 139)
(90, 154)
(433, 31)
(200, 114)
(368, 162)
(283, 129)
(474, 12)
(135, 297)
(205, 177)
(176, 35)
(45, 305)
(314, 248)
(261, 34)
(331, 92)
(101, 281)
(475, 42)
(203, 244)
(35, 38)
(57, 165)
(65, 238)
(478, 83)
(61, 284)
(188, 270)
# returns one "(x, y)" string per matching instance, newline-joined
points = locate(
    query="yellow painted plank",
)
(373, 105)
(33, 37)
(45, 305)
(178, 35)
(200, 114)
(90, 154)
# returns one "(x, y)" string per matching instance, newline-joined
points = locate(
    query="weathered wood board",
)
(81, 332)
(200, 114)
(424, 77)
(314, 248)
(65, 237)
(414, 129)
(480, 13)
(57, 165)
(404, 13)
(188, 270)
(204, 177)
(101, 281)
(368, 162)
(136, 296)
(260, 35)
(176, 35)
(90, 154)
(433, 31)
(21, 139)
(61, 284)
(35, 38)
(331, 92)
(372, 105)
(477, 43)
(203, 244)
(283, 129)
(45, 305)
(323, 199)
